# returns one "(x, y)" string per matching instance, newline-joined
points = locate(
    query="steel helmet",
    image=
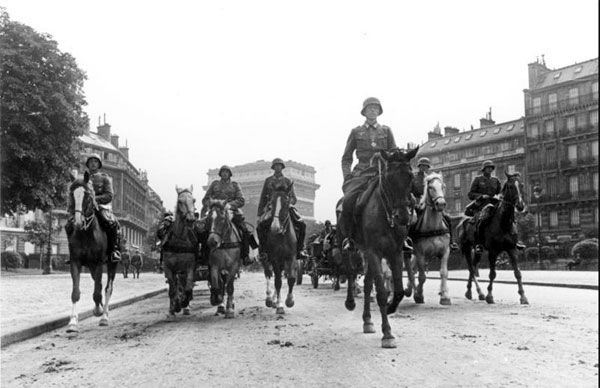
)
(225, 168)
(371, 101)
(488, 163)
(277, 161)
(425, 162)
(93, 156)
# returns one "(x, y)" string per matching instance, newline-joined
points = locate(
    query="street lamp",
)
(537, 194)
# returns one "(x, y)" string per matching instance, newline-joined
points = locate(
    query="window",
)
(550, 128)
(474, 175)
(552, 101)
(557, 75)
(551, 187)
(537, 105)
(572, 152)
(553, 218)
(533, 130)
(550, 156)
(574, 217)
(457, 206)
(510, 128)
(595, 181)
(581, 120)
(595, 90)
(456, 180)
(574, 185)
(482, 134)
(595, 148)
(571, 123)
(578, 69)
(594, 117)
(573, 96)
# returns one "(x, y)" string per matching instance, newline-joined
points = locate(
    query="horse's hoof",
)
(186, 311)
(221, 310)
(469, 295)
(289, 302)
(336, 287)
(98, 312)
(408, 292)
(229, 314)
(171, 317)
(103, 322)
(72, 329)
(445, 301)
(280, 310)
(388, 343)
(489, 299)
(419, 299)
(524, 300)
(350, 305)
(269, 302)
(368, 328)
(481, 297)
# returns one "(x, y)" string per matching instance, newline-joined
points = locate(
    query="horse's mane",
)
(426, 180)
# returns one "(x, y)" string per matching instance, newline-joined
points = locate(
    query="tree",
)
(41, 118)
(526, 225)
(39, 233)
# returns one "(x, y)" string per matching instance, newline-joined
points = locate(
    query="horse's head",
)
(397, 178)
(512, 191)
(185, 204)
(280, 202)
(435, 190)
(81, 195)
(220, 215)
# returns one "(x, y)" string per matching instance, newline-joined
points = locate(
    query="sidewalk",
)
(32, 303)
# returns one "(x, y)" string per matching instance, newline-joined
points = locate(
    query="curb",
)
(559, 285)
(61, 321)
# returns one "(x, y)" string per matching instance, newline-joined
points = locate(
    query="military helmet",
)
(371, 101)
(225, 168)
(424, 161)
(488, 163)
(93, 156)
(168, 213)
(327, 222)
(277, 161)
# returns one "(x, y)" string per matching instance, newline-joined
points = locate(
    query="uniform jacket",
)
(103, 189)
(229, 190)
(418, 185)
(365, 140)
(484, 186)
(271, 182)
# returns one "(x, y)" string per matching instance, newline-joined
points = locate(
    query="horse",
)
(280, 249)
(431, 239)
(137, 261)
(383, 227)
(224, 241)
(180, 252)
(497, 238)
(88, 247)
(125, 263)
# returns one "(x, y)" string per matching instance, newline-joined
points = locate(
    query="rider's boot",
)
(453, 245)
(115, 241)
(408, 245)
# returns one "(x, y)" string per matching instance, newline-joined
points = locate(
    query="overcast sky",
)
(191, 85)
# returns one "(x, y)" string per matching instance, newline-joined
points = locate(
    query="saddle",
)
(482, 220)
(362, 199)
(415, 225)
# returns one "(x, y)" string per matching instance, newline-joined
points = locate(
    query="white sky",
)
(191, 85)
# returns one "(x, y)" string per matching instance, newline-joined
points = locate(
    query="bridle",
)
(429, 200)
(391, 211)
(87, 220)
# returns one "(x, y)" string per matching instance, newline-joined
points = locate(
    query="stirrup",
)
(407, 247)
(520, 245)
(453, 246)
(478, 248)
(115, 256)
(348, 244)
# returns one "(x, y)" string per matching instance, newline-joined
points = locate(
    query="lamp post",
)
(537, 194)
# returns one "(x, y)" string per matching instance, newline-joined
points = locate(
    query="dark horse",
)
(280, 249)
(180, 252)
(382, 231)
(88, 246)
(137, 262)
(224, 241)
(497, 238)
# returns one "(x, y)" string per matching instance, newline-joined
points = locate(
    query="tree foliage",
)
(42, 99)
(586, 249)
(38, 233)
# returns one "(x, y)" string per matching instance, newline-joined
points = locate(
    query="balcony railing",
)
(562, 104)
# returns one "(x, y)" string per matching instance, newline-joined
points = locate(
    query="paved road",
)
(32, 303)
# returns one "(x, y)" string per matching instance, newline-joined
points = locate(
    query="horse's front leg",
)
(111, 271)
(420, 259)
(230, 306)
(444, 294)
(96, 274)
(368, 326)
(388, 340)
(492, 256)
(75, 296)
(278, 284)
(292, 272)
(512, 254)
(410, 284)
(170, 276)
(397, 269)
(189, 288)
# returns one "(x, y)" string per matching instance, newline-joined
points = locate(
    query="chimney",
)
(487, 121)
(449, 131)
(536, 69)
(433, 135)
(114, 139)
(125, 150)
(104, 131)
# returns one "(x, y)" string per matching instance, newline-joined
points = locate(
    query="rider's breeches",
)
(352, 190)
(449, 223)
(113, 228)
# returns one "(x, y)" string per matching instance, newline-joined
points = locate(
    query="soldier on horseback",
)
(231, 192)
(418, 190)
(366, 140)
(485, 190)
(278, 180)
(104, 195)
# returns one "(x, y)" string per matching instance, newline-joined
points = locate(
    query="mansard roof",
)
(567, 74)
